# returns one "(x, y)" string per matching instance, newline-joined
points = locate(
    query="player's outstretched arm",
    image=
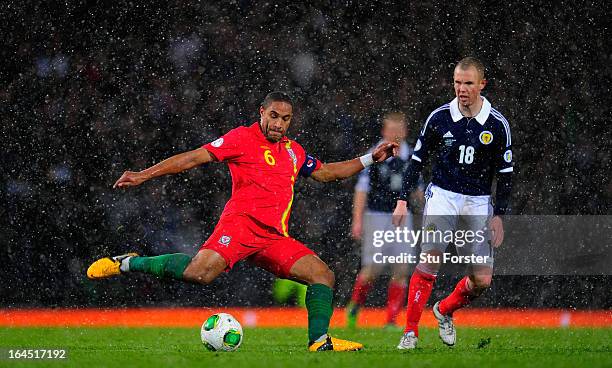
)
(173, 165)
(346, 169)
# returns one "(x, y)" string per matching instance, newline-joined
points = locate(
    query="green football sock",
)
(165, 266)
(319, 304)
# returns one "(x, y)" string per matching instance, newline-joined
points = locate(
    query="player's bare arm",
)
(497, 231)
(346, 169)
(502, 202)
(417, 200)
(173, 165)
(359, 204)
(401, 208)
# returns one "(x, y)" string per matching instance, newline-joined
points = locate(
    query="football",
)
(221, 332)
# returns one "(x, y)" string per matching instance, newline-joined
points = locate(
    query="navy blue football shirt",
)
(467, 153)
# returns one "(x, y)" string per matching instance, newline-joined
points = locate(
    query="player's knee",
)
(203, 276)
(329, 277)
(480, 283)
(204, 267)
(428, 268)
(324, 276)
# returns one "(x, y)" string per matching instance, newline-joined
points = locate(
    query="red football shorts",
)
(239, 237)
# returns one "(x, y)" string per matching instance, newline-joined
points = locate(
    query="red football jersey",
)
(263, 174)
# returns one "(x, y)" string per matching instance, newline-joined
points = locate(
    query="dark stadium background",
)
(89, 89)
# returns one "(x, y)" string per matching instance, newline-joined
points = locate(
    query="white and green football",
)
(221, 332)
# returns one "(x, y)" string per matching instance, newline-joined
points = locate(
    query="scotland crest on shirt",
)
(486, 137)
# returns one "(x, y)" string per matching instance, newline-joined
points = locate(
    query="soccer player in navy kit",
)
(373, 204)
(471, 144)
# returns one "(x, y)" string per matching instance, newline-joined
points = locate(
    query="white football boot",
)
(408, 341)
(447, 331)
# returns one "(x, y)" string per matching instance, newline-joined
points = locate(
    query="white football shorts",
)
(462, 215)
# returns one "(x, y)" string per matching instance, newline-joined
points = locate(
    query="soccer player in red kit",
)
(264, 165)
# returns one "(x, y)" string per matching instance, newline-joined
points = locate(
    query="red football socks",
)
(460, 297)
(396, 295)
(421, 284)
(360, 290)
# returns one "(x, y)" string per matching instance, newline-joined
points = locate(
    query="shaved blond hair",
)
(468, 62)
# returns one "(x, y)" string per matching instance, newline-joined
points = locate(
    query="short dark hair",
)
(276, 96)
(469, 61)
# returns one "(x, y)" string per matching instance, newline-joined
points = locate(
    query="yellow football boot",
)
(334, 344)
(107, 266)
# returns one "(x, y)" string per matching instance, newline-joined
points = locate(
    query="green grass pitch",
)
(180, 347)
